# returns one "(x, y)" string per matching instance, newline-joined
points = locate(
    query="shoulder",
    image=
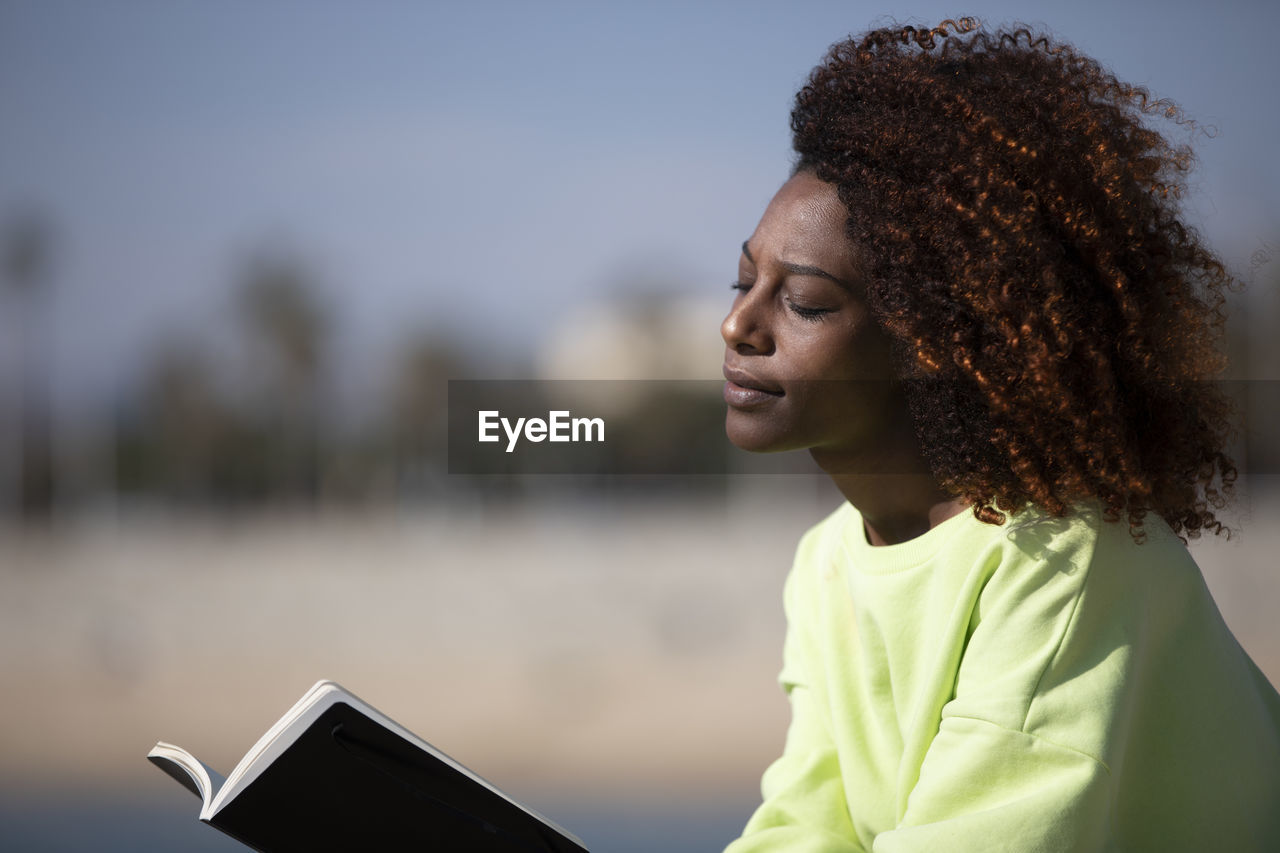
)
(1059, 620)
(1082, 563)
(1082, 553)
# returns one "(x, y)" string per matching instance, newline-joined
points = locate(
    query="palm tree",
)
(289, 330)
(26, 271)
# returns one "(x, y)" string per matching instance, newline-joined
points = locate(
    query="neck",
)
(897, 507)
(891, 486)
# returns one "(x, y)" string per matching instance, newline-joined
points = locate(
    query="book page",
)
(192, 773)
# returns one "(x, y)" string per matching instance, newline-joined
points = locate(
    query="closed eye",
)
(807, 313)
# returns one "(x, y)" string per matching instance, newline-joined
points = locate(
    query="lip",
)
(741, 389)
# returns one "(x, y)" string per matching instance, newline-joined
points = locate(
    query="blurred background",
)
(246, 245)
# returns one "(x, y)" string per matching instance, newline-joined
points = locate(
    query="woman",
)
(976, 306)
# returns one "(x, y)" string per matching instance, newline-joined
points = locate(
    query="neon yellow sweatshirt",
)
(1048, 685)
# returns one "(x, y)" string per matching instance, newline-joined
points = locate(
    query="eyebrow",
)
(801, 269)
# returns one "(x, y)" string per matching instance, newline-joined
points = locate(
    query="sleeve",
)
(986, 788)
(804, 809)
(1042, 688)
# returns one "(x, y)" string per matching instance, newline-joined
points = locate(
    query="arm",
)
(1017, 760)
(804, 807)
(986, 788)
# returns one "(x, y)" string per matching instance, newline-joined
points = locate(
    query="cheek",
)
(865, 356)
(838, 362)
(821, 354)
(851, 347)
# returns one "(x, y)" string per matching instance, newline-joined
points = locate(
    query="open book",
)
(335, 774)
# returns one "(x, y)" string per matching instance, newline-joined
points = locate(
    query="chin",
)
(756, 435)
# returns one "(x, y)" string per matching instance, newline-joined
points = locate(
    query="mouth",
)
(742, 390)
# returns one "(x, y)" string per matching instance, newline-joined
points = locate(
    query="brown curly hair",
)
(1020, 229)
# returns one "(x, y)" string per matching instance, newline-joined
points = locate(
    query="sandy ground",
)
(610, 651)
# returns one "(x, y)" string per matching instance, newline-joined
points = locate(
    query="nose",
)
(745, 329)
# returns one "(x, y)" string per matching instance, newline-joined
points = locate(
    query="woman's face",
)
(806, 367)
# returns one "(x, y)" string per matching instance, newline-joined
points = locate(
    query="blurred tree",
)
(280, 310)
(1262, 301)
(417, 420)
(26, 262)
(188, 421)
(288, 330)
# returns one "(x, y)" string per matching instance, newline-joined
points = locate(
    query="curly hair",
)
(1020, 230)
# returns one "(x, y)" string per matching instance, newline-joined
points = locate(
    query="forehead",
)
(805, 217)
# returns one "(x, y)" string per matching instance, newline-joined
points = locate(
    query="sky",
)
(485, 171)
